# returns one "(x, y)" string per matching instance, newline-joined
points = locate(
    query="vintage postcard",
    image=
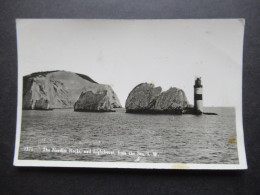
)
(151, 94)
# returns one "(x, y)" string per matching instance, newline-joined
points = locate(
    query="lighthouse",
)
(198, 101)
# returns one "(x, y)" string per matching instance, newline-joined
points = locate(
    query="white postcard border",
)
(43, 163)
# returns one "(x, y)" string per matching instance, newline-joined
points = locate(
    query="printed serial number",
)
(28, 149)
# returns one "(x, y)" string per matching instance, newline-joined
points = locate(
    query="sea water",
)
(63, 134)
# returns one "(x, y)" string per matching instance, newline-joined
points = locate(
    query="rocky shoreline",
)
(63, 90)
(154, 112)
(181, 112)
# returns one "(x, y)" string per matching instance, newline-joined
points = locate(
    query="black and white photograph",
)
(149, 94)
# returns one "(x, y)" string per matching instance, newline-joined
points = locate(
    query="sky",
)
(125, 53)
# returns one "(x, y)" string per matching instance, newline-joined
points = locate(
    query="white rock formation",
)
(60, 89)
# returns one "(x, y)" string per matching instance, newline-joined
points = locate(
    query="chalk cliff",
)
(145, 98)
(60, 89)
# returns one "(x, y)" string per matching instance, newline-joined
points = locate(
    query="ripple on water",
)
(175, 139)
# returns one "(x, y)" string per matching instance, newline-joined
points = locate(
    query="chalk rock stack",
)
(145, 98)
(95, 101)
(62, 89)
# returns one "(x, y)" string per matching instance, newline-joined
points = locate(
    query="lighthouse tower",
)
(198, 102)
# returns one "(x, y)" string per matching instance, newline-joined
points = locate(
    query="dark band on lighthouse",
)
(198, 96)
